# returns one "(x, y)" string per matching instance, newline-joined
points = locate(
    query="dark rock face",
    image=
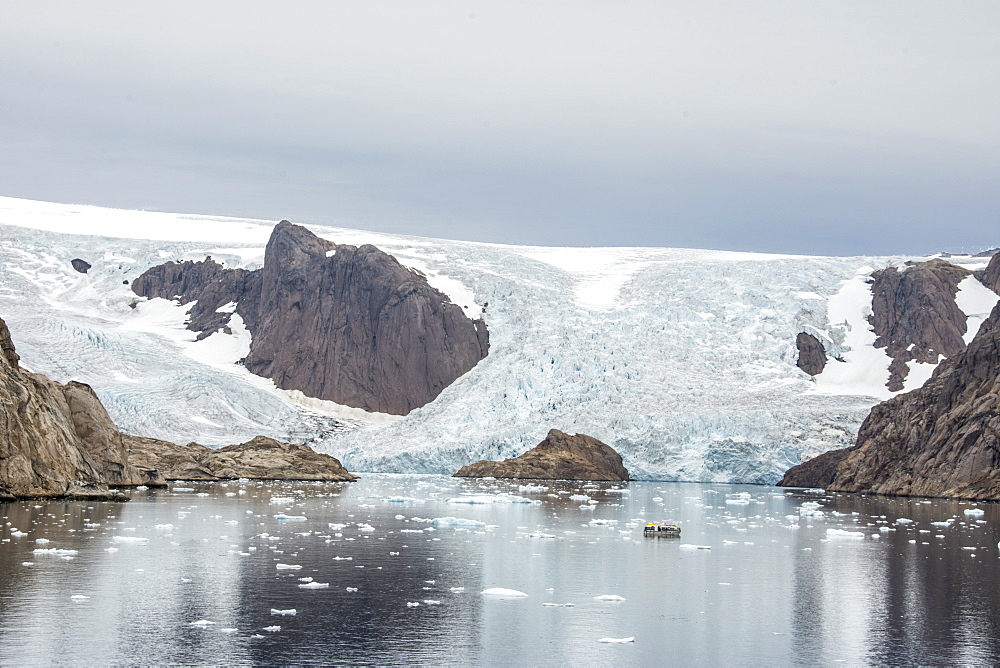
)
(337, 322)
(820, 471)
(915, 316)
(559, 457)
(812, 355)
(261, 458)
(81, 266)
(57, 440)
(940, 440)
(991, 275)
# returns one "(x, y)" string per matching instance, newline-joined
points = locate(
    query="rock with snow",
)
(377, 336)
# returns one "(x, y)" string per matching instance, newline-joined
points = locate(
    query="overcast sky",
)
(810, 127)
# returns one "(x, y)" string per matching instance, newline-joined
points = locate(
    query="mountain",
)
(683, 361)
(336, 322)
(942, 439)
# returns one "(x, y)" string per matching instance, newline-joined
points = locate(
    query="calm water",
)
(775, 587)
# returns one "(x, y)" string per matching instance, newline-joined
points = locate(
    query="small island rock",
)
(559, 457)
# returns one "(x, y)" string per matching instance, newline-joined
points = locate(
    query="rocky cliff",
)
(57, 440)
(338, 322)
(559, 457)
(261, 458)
(940, 440)
(915, 316)
(991, 275)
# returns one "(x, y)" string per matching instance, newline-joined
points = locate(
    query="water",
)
(775, 587)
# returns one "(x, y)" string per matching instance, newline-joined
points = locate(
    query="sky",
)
(832, 128)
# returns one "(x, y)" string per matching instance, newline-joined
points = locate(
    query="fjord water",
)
(782, 583)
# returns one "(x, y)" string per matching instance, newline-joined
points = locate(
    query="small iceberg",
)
(617, 640)
(974, 512)
(500, 592)
(55, 552)
(455, 522)
(841, 533)
(609, 597)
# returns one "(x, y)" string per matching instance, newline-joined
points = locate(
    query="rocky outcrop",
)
(941, 440)
(991, 275)
(559, 457)
(915, 316)
(57, 440)
(81, 266)
(260, 458)
(338, 322)
(812, 355)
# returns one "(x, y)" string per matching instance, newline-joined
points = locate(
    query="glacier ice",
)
(682, 360)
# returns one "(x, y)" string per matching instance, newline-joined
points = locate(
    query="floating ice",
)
(500, 592)
(483, 499)
(350, 589)
(314, 585)
(42, 541)
(557, 605)
(431, 602)
(453, 522)
(290, 518)
(688, 546)
(272, 629)
(974, 512)
(183, 489)
(841, 533)
(904, 520)
(617, 640)
(403, 499)
(282, 499)
(130, 539)
(55, 552)
(609, 597)
(202, 623)
(412, 604)
(78, 597)
(288, 567)
(287, 612)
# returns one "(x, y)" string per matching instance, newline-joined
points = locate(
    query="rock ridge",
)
(260, 458)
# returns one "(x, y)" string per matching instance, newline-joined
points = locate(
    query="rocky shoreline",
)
(58, 441)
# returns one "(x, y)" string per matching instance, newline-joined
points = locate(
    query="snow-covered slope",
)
(683, 360)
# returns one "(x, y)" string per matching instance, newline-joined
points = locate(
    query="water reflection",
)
(780, 584)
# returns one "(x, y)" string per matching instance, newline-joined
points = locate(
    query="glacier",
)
(682, 360)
